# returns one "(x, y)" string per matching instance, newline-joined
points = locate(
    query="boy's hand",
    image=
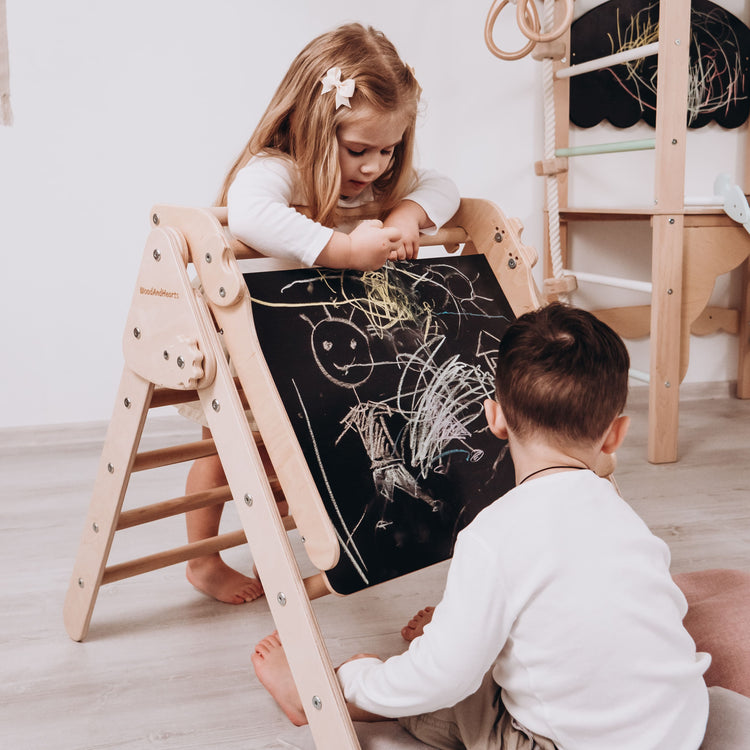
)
(408, 217)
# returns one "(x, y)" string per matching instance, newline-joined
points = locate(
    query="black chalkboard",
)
(383, 375)
(719, 87)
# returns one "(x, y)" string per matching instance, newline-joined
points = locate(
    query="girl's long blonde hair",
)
(301, 124)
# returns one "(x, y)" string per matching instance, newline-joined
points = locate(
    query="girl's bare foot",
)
(415, 627)
(272, 669)
(213, 577)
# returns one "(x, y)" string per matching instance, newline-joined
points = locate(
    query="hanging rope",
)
(553, 199)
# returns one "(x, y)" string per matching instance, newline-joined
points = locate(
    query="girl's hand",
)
(408, 217)
(366, 248)
(372, 245)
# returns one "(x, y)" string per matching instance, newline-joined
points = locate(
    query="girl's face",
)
(366, 145)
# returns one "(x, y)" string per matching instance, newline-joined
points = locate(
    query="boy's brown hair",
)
(563, 373)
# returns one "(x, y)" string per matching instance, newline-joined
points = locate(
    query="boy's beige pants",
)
(478, 722)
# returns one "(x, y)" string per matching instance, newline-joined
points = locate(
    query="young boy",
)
(560, 624)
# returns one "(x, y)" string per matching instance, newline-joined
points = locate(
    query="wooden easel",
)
(173, 351)
(691, 246)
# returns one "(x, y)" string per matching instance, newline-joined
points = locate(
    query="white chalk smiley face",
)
(342, 352)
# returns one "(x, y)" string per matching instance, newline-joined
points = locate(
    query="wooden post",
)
(671, 130)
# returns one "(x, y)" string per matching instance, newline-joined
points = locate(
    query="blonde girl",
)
(326, 178)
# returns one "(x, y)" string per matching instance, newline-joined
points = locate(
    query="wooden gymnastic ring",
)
(532, 32)
(489, 26)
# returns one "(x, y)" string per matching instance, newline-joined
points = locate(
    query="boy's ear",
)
(495, 419)
(616, 434)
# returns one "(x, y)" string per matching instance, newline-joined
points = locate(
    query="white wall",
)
(122, 105)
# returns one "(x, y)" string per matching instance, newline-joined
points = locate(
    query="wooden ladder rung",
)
(180, 554)
(174, 454)
(183, 504)
(173, 507)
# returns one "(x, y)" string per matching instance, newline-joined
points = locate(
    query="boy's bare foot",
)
(272, 668)
(415, 627)
(213, 577)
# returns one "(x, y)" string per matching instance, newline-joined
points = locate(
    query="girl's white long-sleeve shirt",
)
(261, 213)
(560, 589)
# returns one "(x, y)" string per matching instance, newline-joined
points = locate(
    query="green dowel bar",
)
(608, 148)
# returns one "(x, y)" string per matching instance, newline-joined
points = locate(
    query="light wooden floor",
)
(164, 667)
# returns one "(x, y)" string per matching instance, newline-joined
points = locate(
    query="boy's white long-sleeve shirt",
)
(560, 589)
(261, 213)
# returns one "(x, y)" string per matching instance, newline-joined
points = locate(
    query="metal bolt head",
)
(165, 354)
(80, 583)
(155, 219)
(317, 703)
(249, 501)
(95, 527)
(208, 257)
(498, 236)
(127, 402)
(670, 291)
(157, 256)
(281, 598)
(137, 332)
(667, 384)
(215, 405)
(222, 292)
(180, 362)
(512, 263)
(671, 221)
(111, 468)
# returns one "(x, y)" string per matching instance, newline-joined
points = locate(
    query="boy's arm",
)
(448, 662)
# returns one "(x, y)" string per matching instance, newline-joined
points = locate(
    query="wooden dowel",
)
(597, 278)
(174, 454)
(177, 505)
(644, 144)
(173, 556)
(180, 554)
(170, 397)
(173, 507)
(637, 53)
(316, 586)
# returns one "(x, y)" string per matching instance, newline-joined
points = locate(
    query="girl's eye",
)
(352, 152)
(387, 152)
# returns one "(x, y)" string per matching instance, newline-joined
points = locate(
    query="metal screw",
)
(80, 583)
(222, 292)
(137, 332)
(677, 42)
(512, 263)
(110, 468)
(95, 527)
(208, 258)
(674, 141)
(215, 405)
(180, 362)
(248, 501)
(667, 384)
(157, 256)
(281, 598)
(317, 703)
(155, 218)
(498, 236)
(127, 402)
(165, 354)
(671, 221)
(669, 291)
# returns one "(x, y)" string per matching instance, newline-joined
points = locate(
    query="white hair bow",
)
(344, 89)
